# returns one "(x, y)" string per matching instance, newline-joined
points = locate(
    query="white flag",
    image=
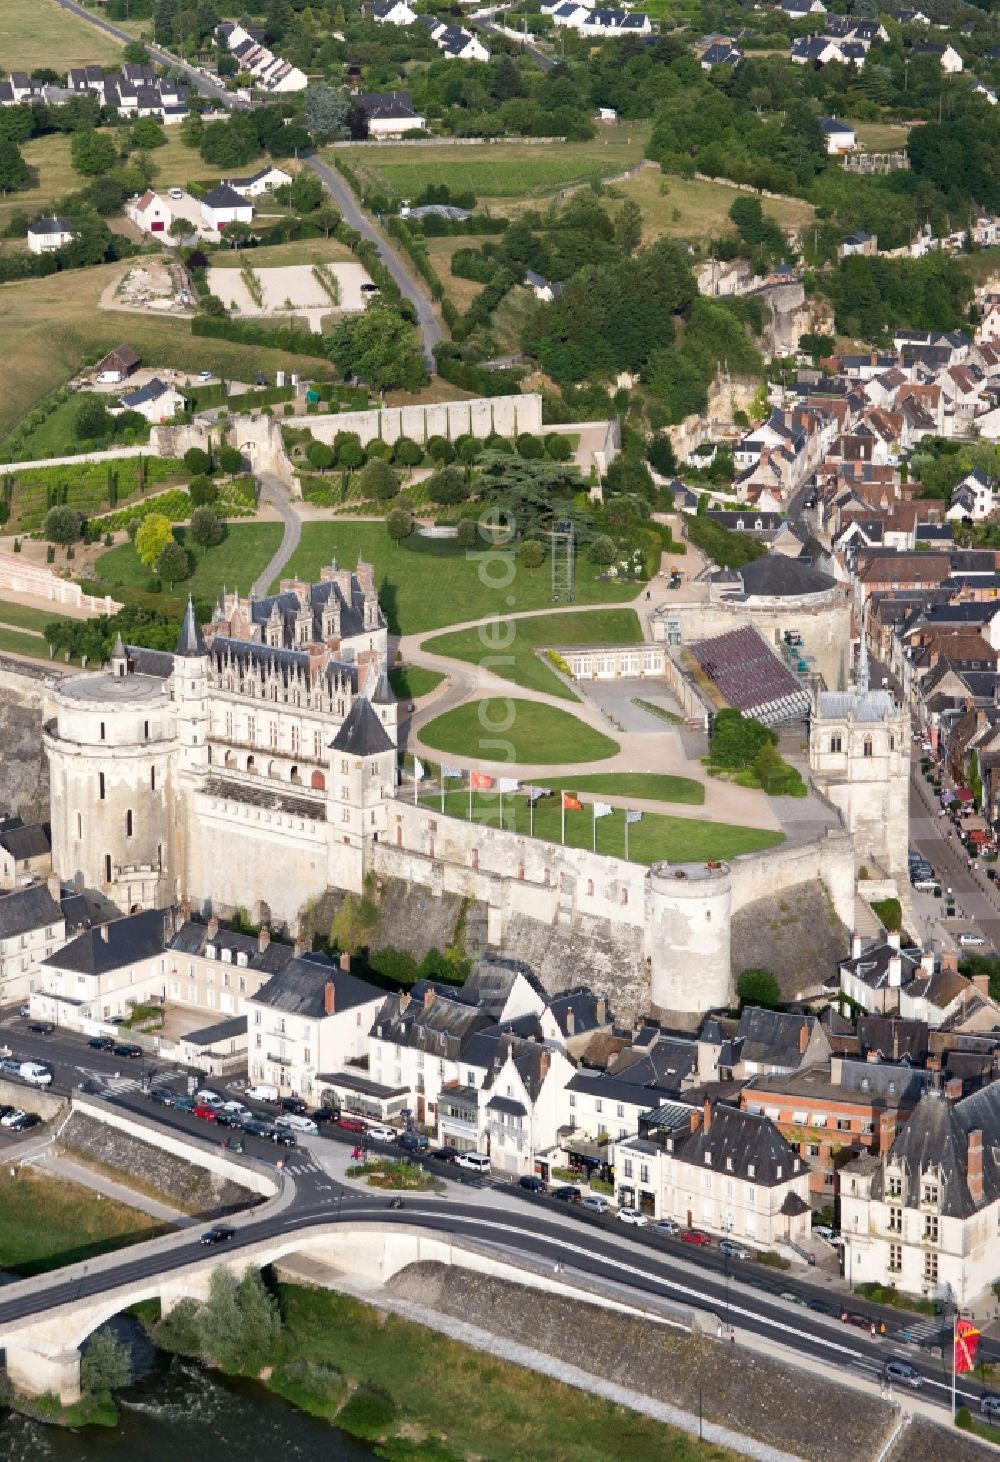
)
(418, 769)
(633, 817)
(508, 784)
(535, 792)
(450, 771)
(603, 809)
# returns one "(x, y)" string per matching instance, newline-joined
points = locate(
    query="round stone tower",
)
(111, 748)
(688, 939)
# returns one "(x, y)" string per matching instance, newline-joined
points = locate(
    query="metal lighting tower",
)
(563, 546)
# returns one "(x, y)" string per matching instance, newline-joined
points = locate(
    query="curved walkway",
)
(274, 491)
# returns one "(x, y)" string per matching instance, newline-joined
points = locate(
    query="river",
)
(177, 1412)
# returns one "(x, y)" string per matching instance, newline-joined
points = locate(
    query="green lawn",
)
(56, 435)
(236, 562)
(53, 175)
(410, 682)
(519, 661)
(27, 618)
(536, 734)
(46, 1223)
(658, 836)
(18, 643)
(84, 486)
(499, 169)
(39, 33)
(429, 583)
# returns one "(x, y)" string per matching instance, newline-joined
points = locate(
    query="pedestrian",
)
(647, 593)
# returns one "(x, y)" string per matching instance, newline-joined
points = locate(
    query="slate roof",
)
(51, 225)
(872, 965)
(191, 641)
(386, 104)
(743, 1144)
(444, 1026)
(772, 1036)
(860, 1083)
(223, 196)
(935, 1139)
(223, 1030)
(121, 942)
(26, 909)
(192, 937)
(491, 980)
(776, 576)
(33, 841)
(300, 988)
(362, 733)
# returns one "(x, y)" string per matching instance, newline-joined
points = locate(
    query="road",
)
(427, 321)
(274, 491)
(543, 62)
(935, 837)
(200, 83)
(784, 1309)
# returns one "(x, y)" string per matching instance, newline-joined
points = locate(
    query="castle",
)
(256, 767)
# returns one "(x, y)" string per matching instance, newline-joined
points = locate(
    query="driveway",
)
(430, 330)
(274, 491)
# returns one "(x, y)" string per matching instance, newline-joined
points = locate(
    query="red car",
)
(207, 1114)
(694, 1236)
(351, 1124)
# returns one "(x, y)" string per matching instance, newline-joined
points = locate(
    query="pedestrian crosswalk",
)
(922, 1332)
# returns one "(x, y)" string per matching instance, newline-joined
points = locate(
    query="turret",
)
(362, 784)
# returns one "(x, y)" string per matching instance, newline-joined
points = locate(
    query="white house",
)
(265, 180)
(393, 12)
(815, 51)
(150, 213)
(32, 924)
(389, 114)
(222, 205)
(48, 234)
(838, 136)
(972, 498)
(948, 58)
(311, 1018)
(155, 401)
(924, 1216)
(461, 45)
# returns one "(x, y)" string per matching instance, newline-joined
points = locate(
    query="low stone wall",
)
(31, 1099)
(199, 1182)
(781, 1404)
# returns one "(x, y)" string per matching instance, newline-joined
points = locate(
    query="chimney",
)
(982, 983)
(895, 971)
(544, 1062)
(263, 939)
(104, 933)
(927, 962)
(894, 941)
(602, 1009)
(974, 1160)
(886, 1130)
(855, 946)
(54, 887)
(949, 961)
(953, 1089)
(836, 1070)
(329, 997)
(404, 1000)
(428, 999)
(299, 948)
(707, 1114)
(933, 1063)
(696, 1118)
(213, 927)
(570, 1022)
(803, 1038)
(345, 962)
(873, 1057)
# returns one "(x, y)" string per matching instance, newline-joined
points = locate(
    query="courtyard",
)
(293, 289)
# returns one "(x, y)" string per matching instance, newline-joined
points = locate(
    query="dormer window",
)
(708, 1158)
(227, 956)
(210, 951)
(751, 1170)
(241, 959)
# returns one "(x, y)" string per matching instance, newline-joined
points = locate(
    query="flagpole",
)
(441, 775)
(531, 813)
(626, 835)
(562, 804)
(470, 794)
(501, 806)
(954, 1360)
(415, 765)
(593, 809)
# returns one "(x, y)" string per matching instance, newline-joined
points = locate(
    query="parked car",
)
(410, 1141)
(476, 1162)
(325, 1114)
(217, 1235)
(903, 1374)
(444, 1154)
(185, 1103)
(733, 1249)
(531, 1184)
(234, 1107)
(971, 939)
(852, 1317)
(255, 1128)
(567, 1193)
(293, 1122)
(989, 1405)
(695, 1236)
(631, 1216)
(41, 1027)
(101, 1043)
(125, 1049)
(227, 1119)
(666, 1226)
(35, 1073)
(824, 1231)
(24, 1010)
(11, 1117)
(292, 1104)
(594, 1204)
(283, 1136)
(378, 1133)
(350, 1124)
(262, 1093)
(10, 1065)
(23, 1121)
(162, 1095)
(205, 1113)
(208, 1098)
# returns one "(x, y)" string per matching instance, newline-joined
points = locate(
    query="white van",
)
(478, 1162)
(297, 1123)
(38, 1075)
(262, 1093)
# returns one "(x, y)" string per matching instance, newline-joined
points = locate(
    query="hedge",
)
(293, 342)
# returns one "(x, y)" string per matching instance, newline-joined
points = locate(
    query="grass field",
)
(25, 617)
(56, 435)
(538, 734)
(500, 169)
(427, 583)
(881, 136)
(236, 562)
(38, 33)
(46, 1223)
(461, 292)
(305, 251)
(405, 1381)
(54, 176)
(409, 682)
(520, 662)
(52, 327)
(17, 642)
(657, 837)
(675, 207)
(642, 786)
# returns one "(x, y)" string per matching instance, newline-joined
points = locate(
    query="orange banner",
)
(571, 804)
(481, 781)
(966, 1345)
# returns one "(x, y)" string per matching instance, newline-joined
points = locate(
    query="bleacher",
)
(749, 676)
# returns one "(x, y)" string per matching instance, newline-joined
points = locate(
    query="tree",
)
(207, 528)
(306, 192)
(558, 448)
(173, 564)
(327, 111)
(468, 533)
(93, 152)
(14, 171)
(759, 987)
(628, 227)
(230, 460)
(147, 134)
(379, 347)
(378, 480)
(399, 524)
(602, 551)
(135, 54)
(320, 455)
(351, 454)
(62, 525)
(529, 446)
(105, 1364)
(203, 491)
(439, 449)
(92, 421)
(448, 486)
(327, 218)
(660, 455)
(532, 554)
(407, 453)
(197, 460)
(737, 740)
(152, 537)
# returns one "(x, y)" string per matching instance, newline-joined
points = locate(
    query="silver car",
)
(593, 1204)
